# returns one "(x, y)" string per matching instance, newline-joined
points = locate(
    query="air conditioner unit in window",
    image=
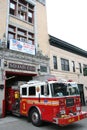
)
(22, 8)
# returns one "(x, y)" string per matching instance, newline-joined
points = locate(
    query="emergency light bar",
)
(45, 78)
(64, 80)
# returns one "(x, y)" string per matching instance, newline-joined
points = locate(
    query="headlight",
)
(62, 112)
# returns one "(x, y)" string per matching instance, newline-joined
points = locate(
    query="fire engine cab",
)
(46, 99)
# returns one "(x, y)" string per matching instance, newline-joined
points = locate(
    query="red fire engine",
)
(45, 99)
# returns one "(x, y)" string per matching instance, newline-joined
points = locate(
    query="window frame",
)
(31, 87)
(84, 66)
(65, 64)
(22, 91)
(10, 9)
(21, 34)
(43, 93)
(23, 11)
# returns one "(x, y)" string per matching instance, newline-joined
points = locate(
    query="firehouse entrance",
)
(12, 84)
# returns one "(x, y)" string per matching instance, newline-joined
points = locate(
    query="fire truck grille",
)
(69, 102)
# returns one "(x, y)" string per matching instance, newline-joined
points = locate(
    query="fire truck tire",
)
(35, 117)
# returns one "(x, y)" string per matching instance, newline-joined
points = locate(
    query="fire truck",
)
(46, 99)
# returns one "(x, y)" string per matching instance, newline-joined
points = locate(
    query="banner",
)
(22, 47)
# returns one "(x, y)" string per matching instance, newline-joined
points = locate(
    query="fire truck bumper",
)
(68, 119)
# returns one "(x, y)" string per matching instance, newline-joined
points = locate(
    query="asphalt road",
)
(15, 123)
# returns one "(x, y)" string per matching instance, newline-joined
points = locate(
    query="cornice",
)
(66, 46)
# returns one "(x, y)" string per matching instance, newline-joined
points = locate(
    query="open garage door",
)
(13, 80)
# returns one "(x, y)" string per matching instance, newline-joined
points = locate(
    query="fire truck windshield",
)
(61, 89)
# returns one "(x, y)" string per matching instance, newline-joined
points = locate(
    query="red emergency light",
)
(70, 80)
(51, 79)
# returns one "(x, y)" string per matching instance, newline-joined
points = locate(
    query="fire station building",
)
(26, 49)
(68, 62)
(23, 33)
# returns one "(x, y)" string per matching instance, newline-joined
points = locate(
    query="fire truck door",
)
(47, 110)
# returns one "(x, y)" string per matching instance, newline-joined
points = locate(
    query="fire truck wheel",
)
(35, 117)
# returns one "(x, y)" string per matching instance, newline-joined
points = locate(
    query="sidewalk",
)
(8, 119)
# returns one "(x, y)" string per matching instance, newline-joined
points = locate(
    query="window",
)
(22, 9)
(44, 89)
(73, 66)
(64, 64)
(55, 62)
(11, 32)
(12, 8)
(84, 69)
(30, 16)
(31, 38)
(22, 15)
(80, 68)
(23, 2)
(32, 91)
(24, 91)
(30, 41)
(11, 28)
(20, 34)
(30, 13)
(43, 68)
(11, 36)
(31, 35)
(47, 89)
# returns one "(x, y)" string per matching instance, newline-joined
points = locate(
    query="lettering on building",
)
(22, 67)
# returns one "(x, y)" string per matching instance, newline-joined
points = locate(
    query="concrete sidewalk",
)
(8, 119)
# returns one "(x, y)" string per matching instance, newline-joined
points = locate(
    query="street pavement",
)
(17, 123)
